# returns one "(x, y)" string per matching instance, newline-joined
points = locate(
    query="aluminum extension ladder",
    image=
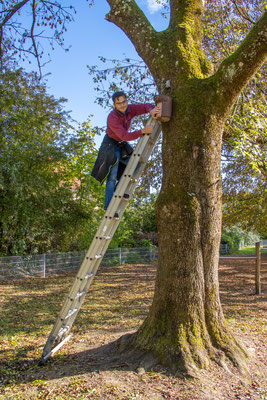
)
(60, 332)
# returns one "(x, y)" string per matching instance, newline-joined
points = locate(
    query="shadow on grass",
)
(102, 358)
(31, 306)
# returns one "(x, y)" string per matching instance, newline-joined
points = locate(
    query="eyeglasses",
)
(121, 103)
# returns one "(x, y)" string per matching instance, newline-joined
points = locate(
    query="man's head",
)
(120, 101)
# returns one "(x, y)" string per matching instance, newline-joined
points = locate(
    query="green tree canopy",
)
(40, 188)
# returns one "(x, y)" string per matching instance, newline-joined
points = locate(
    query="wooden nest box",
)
(165, 103)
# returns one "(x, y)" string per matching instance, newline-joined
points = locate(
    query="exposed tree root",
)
(229, 348)
(185, 358)
(227, 345)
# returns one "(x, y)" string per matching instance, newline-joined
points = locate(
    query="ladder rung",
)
(71, 312)
(107, 237)
(98, 256)
(63, 330)
(79, 294)
(88, 275)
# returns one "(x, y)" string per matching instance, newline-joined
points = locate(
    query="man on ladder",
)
(114, 152)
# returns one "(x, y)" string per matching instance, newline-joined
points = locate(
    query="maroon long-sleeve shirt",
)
(118, 123)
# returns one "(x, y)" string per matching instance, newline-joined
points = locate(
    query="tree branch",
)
(240, 12)
(237, 69)
(8, 16)
(33, 38)
(12, 12)
(189, 12)
(129, 17)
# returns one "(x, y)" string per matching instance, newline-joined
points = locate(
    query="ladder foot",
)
(41, 362)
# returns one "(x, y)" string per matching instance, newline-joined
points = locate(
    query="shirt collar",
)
(120, 113)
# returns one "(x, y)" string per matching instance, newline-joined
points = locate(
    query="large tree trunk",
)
(185, 326)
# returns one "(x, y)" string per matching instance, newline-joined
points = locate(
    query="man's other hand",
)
(155, 112)
(147, 130)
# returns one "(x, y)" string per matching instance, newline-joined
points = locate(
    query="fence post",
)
(258, 268)
(150, 253)
(44, 265)
(119, 255)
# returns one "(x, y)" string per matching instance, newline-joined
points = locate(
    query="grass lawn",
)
(249, 250)
(116, 304)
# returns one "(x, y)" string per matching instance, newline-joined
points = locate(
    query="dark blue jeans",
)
(111, 182)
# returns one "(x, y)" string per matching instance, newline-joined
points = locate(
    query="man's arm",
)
(139, 109)
(116, 130)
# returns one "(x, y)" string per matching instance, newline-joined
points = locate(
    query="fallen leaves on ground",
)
(117, 303)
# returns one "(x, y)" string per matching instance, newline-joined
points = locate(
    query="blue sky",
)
(90, 36)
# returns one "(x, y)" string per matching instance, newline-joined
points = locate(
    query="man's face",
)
(121, 104)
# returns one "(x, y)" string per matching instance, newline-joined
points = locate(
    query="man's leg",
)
(125, 162)
(111, 181)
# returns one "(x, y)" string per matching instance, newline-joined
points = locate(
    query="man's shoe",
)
(116, 216)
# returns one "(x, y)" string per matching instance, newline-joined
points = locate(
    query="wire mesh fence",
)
(47, 264)
(224, 248)
(42, 265)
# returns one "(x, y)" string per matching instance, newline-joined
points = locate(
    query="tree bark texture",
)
(185, 327)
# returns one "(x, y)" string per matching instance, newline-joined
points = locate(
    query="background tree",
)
(244, 195)
(88, 194)
(138, 227)
(43, 179)
(235, 237)
(44, 20)
(245, 160)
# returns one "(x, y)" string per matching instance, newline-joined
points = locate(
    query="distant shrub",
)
(225, 239)
(133, 258)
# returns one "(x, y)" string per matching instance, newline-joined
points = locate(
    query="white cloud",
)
(154, 5)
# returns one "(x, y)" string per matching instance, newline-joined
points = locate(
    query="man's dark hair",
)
(118, 94)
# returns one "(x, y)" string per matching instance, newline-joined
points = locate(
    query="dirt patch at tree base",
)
(90, 366)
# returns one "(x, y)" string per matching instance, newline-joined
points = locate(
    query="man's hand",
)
(147, 130)
(155, 112)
